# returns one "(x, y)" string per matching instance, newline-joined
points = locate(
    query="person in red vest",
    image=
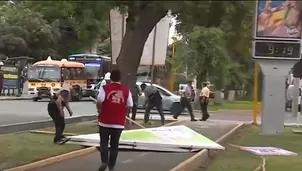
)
(113, 102)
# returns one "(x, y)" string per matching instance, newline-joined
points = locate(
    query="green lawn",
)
(236, 105)
(234, 159)
(23, 148)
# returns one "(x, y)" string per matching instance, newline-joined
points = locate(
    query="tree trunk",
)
(133, 43)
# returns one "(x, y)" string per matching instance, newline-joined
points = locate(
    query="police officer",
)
(153, 99)
(186, 99)
(204, 101)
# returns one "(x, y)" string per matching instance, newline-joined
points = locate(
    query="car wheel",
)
(176, 108)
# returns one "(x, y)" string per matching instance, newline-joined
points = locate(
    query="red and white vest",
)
(114, 107)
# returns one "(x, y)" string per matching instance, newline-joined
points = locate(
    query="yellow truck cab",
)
(47, 77)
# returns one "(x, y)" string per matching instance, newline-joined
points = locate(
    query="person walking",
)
(204, 101)
(185, 101)
(135, 93)
(55, 110)
(153, 99)
(113, 103)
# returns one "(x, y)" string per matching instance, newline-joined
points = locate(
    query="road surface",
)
(20, 111)
(142, 160)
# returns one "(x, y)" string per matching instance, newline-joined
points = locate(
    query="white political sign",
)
(157, 48)
(160, 138)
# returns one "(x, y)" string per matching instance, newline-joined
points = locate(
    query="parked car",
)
(171, 101)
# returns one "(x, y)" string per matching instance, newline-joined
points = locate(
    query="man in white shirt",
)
(185, 101)
(204, 101)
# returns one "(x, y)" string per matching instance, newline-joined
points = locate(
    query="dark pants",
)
(159, 106)
(186, 103)
(134, 109)
(114, 135)
(58, 120)
(204, 109)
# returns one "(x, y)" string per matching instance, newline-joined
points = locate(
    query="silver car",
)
(171, 101)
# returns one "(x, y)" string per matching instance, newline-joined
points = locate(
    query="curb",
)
(15, 98)
(54, 159)
(63, 157)
(21, 127)
(201, 157)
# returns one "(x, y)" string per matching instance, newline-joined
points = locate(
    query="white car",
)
(171, 101)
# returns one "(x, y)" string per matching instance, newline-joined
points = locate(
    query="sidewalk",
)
(142, 160)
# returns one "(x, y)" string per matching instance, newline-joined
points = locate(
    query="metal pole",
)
(172, 65)
(256, 76)
(295, 97)
(153, 54)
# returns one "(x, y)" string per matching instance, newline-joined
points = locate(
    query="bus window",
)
(72, 73)
(80, 73)
(67, 74)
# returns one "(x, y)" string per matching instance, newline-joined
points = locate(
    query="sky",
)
(172, 31)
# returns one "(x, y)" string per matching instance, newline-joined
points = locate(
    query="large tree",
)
(142, 18)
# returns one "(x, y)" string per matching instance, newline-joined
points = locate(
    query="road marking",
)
(142, 154)
(127, 161)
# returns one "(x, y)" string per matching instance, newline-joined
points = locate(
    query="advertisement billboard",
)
(155, 46)
(278, 19)
(11, 76)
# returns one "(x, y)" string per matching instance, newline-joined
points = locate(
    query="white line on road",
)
(127, 161)
(142, 154)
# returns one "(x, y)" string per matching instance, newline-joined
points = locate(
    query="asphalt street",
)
(21, 111)
(143, 160)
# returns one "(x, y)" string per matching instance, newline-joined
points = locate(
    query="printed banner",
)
(268, 151)
(161, 137)
(278, 19)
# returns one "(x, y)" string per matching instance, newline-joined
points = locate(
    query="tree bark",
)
(133, 43)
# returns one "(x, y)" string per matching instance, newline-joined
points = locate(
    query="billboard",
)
(11, 77)
(278, 19)
(155, 46)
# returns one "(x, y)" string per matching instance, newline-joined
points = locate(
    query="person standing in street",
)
(153, 99)
(55, 110)
(135, 93)
(204, 101)
(185, 101)
(1, 82)
(106, 79)
(113, 102)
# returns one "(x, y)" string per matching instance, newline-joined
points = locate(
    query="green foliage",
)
(235, 19)
(56, 28)
(81, 23)
(24, 32)
(203, 52)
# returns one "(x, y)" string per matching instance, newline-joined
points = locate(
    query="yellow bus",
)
(47, 77)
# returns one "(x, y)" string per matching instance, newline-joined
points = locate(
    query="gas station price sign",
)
(277, 49)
